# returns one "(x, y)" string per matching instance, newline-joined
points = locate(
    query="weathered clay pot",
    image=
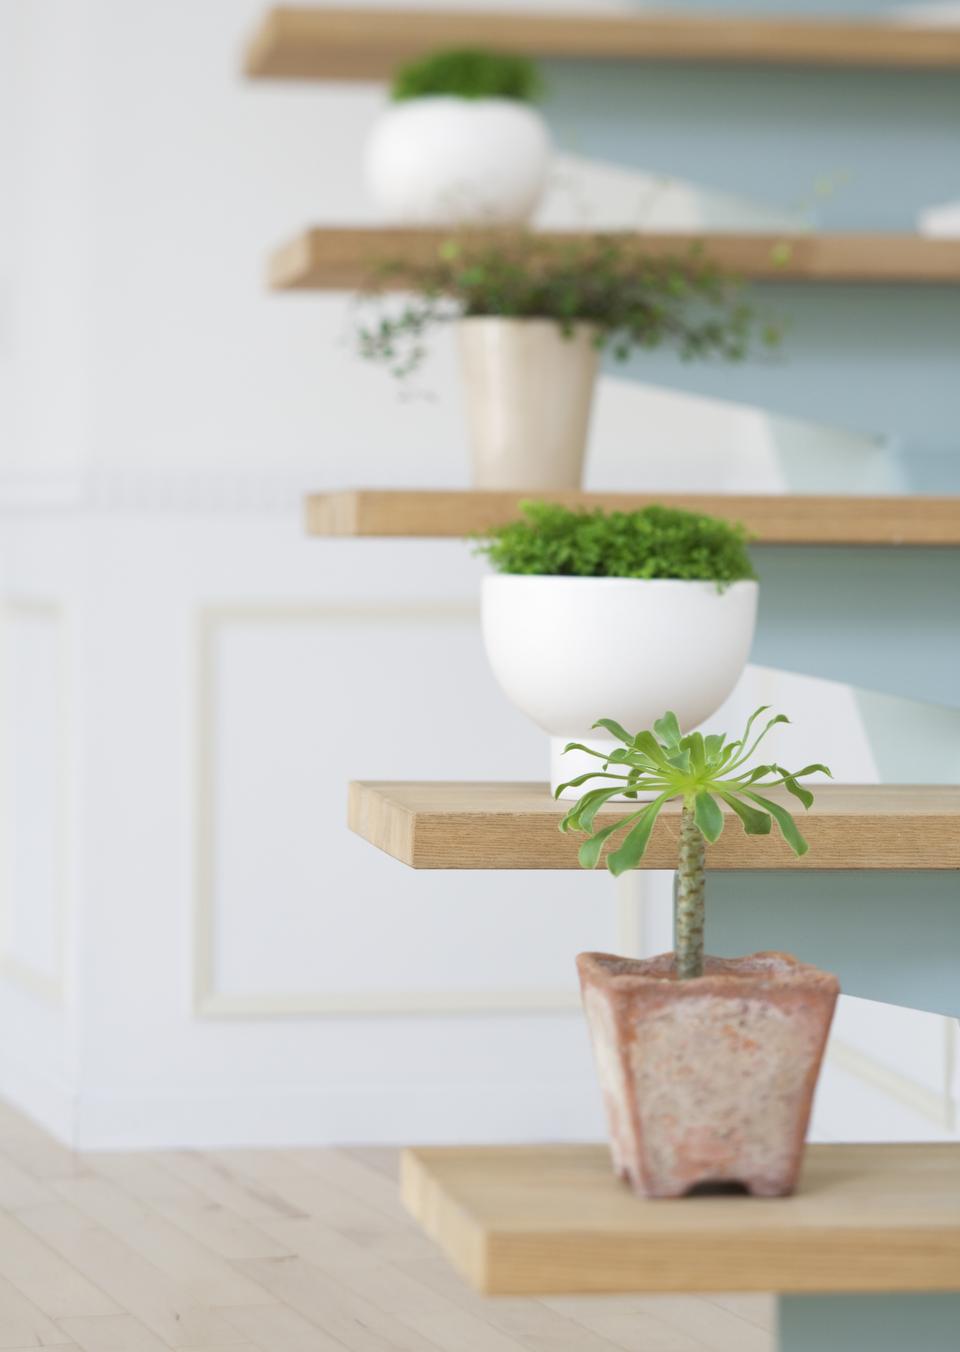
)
(711, 1080)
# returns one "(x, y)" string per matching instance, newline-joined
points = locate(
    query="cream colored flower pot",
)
(528, 391)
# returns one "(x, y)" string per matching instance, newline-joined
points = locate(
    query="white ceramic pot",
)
(569, 650)
(528, 391)
(450, 161)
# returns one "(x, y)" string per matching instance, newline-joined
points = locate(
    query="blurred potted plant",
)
(707, 1066)
(625, 611)
(461, 144)
(532, 316)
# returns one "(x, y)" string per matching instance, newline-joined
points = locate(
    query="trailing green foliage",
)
(631, 300)
(705, 772)
(469, 75)
(655, 542)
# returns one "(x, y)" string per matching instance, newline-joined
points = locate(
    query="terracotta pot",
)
(711, 1080)
(528, 390)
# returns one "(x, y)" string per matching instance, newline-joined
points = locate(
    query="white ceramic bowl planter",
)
(569, 650)
(528, 389)
(445, 160)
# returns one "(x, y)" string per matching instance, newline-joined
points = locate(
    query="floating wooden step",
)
(532, 1220)
(347, 258)
(778, 519)
(490, 826)
(369, 44)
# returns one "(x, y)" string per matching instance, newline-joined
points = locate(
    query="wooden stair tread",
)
(491, 825)
(776, 519)
(350, 258)
(549, 1219)
(364, 44)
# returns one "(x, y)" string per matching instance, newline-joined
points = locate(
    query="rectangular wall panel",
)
(33, 794)
(297, 914)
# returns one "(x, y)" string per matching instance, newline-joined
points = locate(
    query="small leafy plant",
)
(468, 75)
(704, 771)
(654, 542)
(633, 301)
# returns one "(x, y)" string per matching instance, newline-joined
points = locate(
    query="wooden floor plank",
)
(113, 1333)
(280, 1328)
(47, 1279)
(133, 1283)
(133, 1252)
(23, 1324)
(200, 1273)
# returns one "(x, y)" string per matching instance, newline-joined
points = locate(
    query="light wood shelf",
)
(515, 826)
(351, 257)
(531, 1220)
(369, 44)
(778, 519)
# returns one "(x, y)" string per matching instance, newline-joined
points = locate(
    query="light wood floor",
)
(279, 1251)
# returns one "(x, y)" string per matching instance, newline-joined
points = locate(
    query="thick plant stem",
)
(689, 907)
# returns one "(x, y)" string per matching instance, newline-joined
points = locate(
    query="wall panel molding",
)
(208, 1002)
(46, 985)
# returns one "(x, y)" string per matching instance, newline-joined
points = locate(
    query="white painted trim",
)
(934, 1105)
(50, 1101)
(207, 1001)
(32, 979)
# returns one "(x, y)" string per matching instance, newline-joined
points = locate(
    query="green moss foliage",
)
(655, 542)
(468, 75)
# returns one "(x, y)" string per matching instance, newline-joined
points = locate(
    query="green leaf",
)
(708, 816)
(681, 761)
(694, 743)
(755, 822)
(647, 744)
(788, 827)
(590, 774)
(799, 790)
(713, 745)
(634, 846)
(745, 755)
(581, 815)
(590, 750)
(589, 852)
(742, 741)
(668, 729)
(613, 727)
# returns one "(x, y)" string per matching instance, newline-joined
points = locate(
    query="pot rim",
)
(764, 971)
(529, 579)
(501, 100)
(576, 324)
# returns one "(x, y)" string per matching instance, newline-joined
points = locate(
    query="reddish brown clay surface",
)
(711, 1080)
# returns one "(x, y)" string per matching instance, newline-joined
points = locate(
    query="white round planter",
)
(528, 391)
(569, 650)
(444, 160)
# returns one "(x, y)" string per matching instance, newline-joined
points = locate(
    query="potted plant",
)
(461, 143)
(707, 1066)
(533, 315)
(625, 611)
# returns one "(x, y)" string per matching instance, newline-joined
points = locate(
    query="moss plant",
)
(632, 301)
(655, 542)
(703, 772)
(468, 75)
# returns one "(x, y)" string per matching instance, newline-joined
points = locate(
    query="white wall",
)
(194, 947)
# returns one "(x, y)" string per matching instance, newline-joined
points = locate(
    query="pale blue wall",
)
(873, 358)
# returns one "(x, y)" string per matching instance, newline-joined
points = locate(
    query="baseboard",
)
(46, 1099)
